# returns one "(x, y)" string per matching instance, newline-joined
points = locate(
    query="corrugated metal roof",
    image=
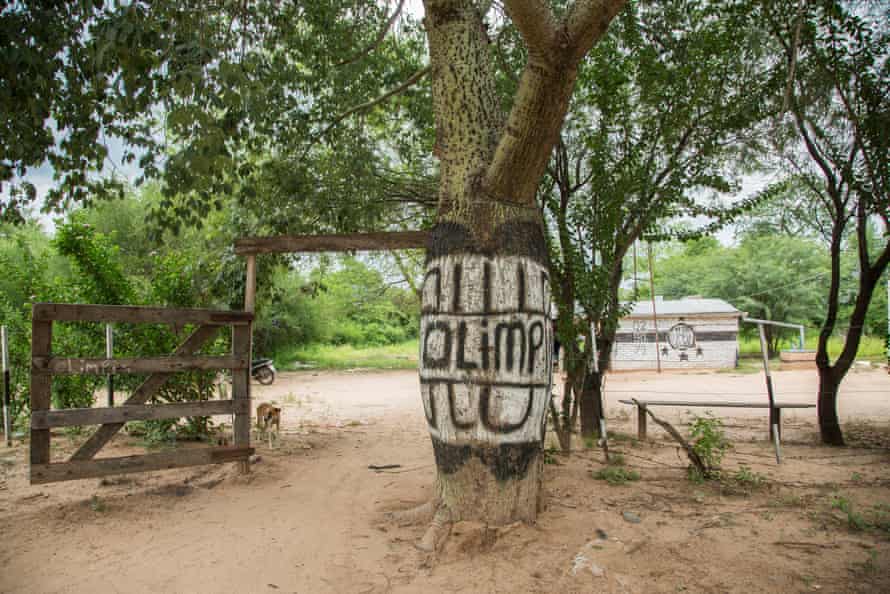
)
(685, 306)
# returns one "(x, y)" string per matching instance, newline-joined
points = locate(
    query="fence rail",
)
(44, 365)
(80, 312)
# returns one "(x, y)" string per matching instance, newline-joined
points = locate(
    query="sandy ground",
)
(309, 516)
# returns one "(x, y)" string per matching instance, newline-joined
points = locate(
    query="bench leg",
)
(775, 418)
(641, 423)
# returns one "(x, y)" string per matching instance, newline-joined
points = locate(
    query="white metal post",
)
(7, 413)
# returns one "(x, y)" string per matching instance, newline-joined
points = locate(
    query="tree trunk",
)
(591, 404)
(486, 335)
(485, 371)
(829, 426)
(592, 397)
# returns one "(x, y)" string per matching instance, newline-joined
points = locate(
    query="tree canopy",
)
(217, 100)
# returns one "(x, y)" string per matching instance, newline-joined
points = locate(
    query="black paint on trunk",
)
(521, 238)
(506, 461)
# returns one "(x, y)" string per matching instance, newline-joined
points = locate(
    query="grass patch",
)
(616, 459)
(855, 520)
(742, 482)
(746, 476)
(550, 456)
(324, 356)
(787, 500)
(751, 364)
(619, 437)
(872, 348)
(616, 475)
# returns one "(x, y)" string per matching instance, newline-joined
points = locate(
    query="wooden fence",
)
(44, 365)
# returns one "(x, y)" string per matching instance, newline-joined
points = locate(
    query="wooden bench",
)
(644, 404)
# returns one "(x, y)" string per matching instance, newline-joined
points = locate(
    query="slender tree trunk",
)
(829, 426)
(591, 405)
(592, 400)
(831, 376)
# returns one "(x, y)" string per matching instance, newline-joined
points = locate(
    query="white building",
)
(693, 333)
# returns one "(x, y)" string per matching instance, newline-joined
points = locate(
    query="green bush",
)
(710, 443)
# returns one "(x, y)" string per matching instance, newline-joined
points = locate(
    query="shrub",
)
(710, 443)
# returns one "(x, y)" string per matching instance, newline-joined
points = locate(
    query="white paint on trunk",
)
(486, 345)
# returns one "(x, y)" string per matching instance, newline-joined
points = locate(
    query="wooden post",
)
(241, 391)
(241, 345)
(641, 422)
(250, 284)
(41, 389)
(773, 411)
(654, 315)
(109, 354)
(7, 400)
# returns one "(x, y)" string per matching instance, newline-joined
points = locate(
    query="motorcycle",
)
(263, 371)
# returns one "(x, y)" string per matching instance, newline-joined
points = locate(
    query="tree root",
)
(416, 515)
(437, 533)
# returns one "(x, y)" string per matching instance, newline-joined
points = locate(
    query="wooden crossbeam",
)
(717, 404)
(72, 417)
(174, 364)
(142, 394)
(393, 240)
(82, 469)
(79, 312)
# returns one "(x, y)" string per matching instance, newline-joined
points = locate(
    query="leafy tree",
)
(216, 100)
(347, 302)
(773, 277)
(835, 142)
(649, 139)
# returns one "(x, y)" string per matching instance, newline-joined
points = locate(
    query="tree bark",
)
(486, 360)
(592, 398)
(829, 426)
(591, 403)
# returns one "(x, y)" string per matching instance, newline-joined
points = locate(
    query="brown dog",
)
(268, 416)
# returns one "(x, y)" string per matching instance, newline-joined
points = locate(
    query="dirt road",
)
(308, 518)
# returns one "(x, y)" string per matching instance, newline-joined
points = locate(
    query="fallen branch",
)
(690, 452)
(383, 466)
(801, 544)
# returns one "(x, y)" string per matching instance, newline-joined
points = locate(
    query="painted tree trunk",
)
(486, 337)
(485, 371)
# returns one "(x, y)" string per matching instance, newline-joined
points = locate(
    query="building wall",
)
(685, 342)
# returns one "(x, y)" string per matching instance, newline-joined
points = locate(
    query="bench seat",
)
(776, 413)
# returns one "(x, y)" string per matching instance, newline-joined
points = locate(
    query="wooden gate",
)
(44, 365)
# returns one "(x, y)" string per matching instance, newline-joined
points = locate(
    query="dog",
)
(267, 417)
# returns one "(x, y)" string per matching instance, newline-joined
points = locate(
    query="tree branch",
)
(535, 22)
(412, 80)
(378, 40)
(586, 22)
